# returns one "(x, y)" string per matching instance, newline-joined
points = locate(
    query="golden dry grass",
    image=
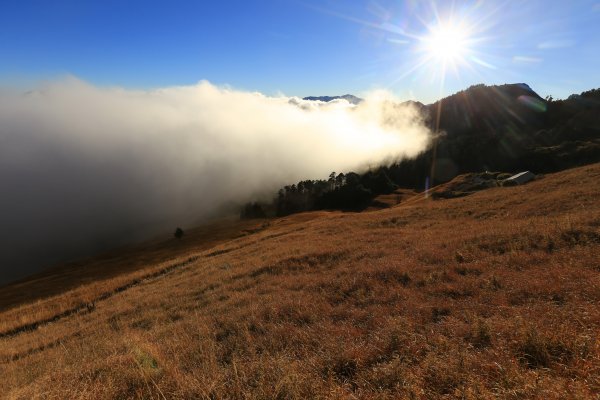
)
(389, 200)
(494, 295)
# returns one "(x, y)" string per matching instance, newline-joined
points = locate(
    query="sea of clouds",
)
(85, 168)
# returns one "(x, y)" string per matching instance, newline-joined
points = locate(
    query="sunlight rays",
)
(434, 39)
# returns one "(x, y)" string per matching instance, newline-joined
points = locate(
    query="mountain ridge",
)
(348, 97)
(507, 128)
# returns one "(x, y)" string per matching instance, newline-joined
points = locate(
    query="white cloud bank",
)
(83, 168)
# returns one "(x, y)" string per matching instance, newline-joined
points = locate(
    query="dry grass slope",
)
(494, 295)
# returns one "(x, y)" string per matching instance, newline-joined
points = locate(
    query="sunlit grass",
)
(494, 295)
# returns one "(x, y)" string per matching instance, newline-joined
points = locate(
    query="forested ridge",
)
(483, 128)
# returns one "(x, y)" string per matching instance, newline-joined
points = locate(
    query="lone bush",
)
(178, 233)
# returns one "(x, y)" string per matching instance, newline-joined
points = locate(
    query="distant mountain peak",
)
(348, 97)
(506, 91)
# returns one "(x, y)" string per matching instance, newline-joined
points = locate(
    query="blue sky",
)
(302, 47)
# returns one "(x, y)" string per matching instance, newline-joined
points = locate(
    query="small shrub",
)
(391, 274)
(178, 233)
(459, 257)
(344, 369)
(467, 271)
(534, 350)
(492, 283)
(538, 351)
(481, 337)
(437, 314)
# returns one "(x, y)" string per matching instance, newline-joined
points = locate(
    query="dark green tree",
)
(178, 233)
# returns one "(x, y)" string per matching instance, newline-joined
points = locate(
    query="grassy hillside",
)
(496, 294)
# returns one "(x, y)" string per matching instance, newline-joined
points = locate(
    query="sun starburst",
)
(447, 43)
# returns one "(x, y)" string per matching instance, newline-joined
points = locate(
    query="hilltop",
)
(505, 128)
(496, 294)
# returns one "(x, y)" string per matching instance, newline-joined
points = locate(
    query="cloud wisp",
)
(84, 168)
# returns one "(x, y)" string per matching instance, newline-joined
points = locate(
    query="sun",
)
(445, 46)
(447, 43)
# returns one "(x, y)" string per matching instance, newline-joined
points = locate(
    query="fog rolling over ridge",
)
(84, 168)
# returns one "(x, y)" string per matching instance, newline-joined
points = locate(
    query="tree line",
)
(344, 191)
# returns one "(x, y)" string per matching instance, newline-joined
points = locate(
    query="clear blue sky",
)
(301, 47)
